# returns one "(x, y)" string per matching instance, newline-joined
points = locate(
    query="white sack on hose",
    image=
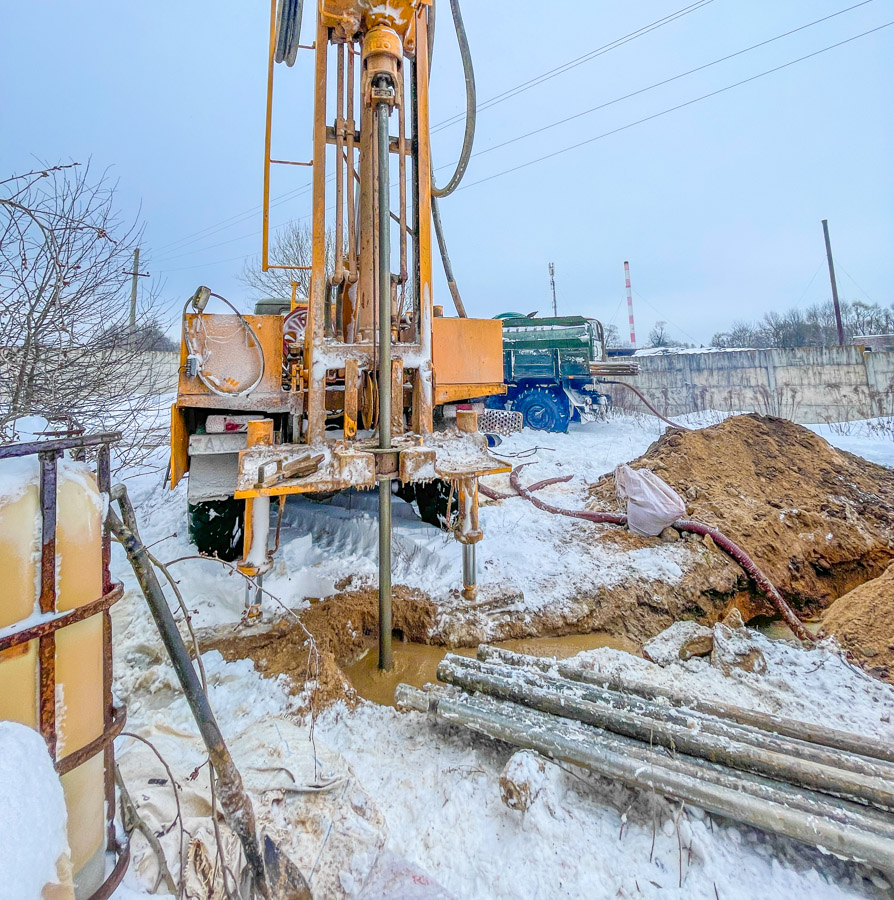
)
(652, 504)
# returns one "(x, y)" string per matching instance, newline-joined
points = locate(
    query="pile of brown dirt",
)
(863, 623)
(817, 520)
(342, 627)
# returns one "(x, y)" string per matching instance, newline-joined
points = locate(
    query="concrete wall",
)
(806, 384)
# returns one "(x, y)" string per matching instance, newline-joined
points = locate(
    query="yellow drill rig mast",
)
(266, 407)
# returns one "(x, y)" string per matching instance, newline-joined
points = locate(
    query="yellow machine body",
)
(307, 421)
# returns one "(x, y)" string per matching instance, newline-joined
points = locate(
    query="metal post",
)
(133, 288)
(834, 283)
(470, 575)
(383, 112)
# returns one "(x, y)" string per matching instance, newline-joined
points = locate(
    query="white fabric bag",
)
(652, 504)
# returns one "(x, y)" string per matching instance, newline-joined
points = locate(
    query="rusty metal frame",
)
(44, 631)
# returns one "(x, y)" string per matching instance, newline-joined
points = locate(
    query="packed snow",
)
(373, 796)
(34, 850)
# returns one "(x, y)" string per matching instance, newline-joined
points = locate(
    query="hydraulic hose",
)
(732, 549)
(648, 405)
(468, 139)
(471, 101)
(201, 375)
(445, 259)
(288, 31)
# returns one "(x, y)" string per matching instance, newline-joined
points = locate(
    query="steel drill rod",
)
(631, 684)
(384, 228)
(844, 811)
(734, 754)
(470, 574)
(697, 723)
(608, 755)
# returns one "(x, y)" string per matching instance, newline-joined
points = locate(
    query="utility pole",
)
(552, 281)
(835, 302)
(629, 303)
(136, 273)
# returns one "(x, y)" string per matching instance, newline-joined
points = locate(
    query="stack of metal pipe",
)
(825, 787)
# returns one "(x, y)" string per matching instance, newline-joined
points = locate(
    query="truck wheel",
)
(544, 410)
(216, 528)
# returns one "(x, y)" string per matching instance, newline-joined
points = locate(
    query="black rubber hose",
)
(471, 101)
(288, 31)
(445, 259)
(648, 405)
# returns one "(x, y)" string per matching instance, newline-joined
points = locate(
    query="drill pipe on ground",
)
(631, 685)
(697, 723)
(622, 759)
(499, 682)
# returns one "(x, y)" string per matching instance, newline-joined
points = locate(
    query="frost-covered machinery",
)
(339, 391)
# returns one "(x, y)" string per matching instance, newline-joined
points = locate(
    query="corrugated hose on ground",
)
(730, 547)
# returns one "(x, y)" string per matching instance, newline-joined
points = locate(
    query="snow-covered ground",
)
(405, 795)
(873, 439)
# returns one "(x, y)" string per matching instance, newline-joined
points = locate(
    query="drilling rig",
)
(339, 390)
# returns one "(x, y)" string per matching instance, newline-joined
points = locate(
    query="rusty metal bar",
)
(9, 638)
(47, 641)
(352, 209)
(44, 631)
(113, 728)
(265, 217)
(34, 447)
(316, 378)
(338, 274)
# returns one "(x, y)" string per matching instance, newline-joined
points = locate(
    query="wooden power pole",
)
(136, 273)
(835, 302)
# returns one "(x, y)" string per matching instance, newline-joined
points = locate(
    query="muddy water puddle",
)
(417, 664)
(777, 630)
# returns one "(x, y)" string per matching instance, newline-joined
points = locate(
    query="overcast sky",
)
(717, 205)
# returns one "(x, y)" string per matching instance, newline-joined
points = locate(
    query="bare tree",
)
(67, 351)
(292, 245)
(659, 336)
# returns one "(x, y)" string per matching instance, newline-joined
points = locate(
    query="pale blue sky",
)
(717, 206)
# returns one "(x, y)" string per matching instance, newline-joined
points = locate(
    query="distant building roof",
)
(874, 341)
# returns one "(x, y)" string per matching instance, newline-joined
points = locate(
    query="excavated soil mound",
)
(817, 520)
(342, 626)
(863, 623)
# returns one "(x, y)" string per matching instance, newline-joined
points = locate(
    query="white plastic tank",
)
(79, 651)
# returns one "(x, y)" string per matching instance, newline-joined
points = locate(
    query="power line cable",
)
(574, 63)
(810, 283)
(668, 80)
(666, 317)
(855, 282)
(671, 109)
(552, 73)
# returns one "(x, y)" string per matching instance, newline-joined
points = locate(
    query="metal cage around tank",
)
(52, 621)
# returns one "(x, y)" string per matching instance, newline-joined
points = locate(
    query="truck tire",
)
(544, 410)
(216, 528)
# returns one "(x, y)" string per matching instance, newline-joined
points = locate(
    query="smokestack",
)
(629, 303)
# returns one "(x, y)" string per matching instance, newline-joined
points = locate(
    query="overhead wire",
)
(671, 109)
(666, 81)
(628, 125)
(574, 63)
(185, 240)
